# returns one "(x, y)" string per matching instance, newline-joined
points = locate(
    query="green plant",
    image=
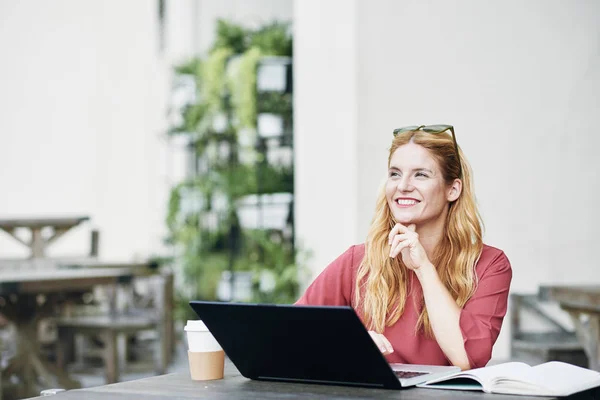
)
(243, 87)
(231, 36)
(280, 282)
(273, 39)
(213, 75)
(202, 217)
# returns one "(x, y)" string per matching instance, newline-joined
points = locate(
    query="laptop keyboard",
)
(409, 374)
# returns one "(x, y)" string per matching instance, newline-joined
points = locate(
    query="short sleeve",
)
(481, 317)
(333, 286)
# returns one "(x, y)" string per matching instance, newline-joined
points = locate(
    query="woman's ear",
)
(454, 190)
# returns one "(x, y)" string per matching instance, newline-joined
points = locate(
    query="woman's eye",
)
(394, 173)
(421, 174)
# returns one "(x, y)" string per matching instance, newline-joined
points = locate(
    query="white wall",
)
(82, 105)
(519, 80)
(325, 128)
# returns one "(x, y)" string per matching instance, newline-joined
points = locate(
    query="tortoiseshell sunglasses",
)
(434, 129)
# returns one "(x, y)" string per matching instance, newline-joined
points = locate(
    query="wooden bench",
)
(557, 344)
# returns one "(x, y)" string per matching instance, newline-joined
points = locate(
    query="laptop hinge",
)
(345, 383)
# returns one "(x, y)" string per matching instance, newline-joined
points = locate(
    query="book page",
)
(485, 376)
(505, 370)
(563, 378)
(549, 379)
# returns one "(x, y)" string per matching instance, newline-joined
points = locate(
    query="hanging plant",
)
(243, 88)
(213, 75)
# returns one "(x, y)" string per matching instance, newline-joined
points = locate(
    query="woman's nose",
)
(405, 184)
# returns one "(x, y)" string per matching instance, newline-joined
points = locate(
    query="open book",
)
(549, 379)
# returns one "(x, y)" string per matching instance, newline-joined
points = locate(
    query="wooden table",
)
(234, 386)
(49, 280)
(583, 305)
(30, 295)
(38, 243)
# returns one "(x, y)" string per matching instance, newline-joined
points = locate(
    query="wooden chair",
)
(115, 329)
(535, 347)
(113, 332)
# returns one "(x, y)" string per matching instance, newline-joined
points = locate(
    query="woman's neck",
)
(430, 236)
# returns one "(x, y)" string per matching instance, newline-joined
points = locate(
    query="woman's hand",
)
(382, 343)
(404, 239)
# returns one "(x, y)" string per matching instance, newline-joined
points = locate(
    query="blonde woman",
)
(424, 284)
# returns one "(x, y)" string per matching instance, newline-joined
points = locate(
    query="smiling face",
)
(415, 190)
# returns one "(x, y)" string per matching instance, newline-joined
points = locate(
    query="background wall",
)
(519, 80)
(85, 88)
(82, 104)
(326, 129)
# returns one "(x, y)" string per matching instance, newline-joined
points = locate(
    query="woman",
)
(424, 284)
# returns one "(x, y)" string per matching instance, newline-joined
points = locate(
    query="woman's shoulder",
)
(358, 250)
(353, 256)
(345, 266)
(492, 259)
(491, 251)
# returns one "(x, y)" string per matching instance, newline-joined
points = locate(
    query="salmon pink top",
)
(480, 318)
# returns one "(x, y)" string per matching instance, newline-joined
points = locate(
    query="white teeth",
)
(404, 202)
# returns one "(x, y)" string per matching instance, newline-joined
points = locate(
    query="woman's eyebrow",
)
(393, 167)
(423, 170)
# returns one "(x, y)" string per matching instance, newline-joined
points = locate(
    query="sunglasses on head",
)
(433, 129)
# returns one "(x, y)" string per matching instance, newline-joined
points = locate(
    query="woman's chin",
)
(404, 220)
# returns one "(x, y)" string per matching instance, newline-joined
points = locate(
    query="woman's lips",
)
(404, 202)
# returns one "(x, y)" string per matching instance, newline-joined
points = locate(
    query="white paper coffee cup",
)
(199, 337)
(205, 355)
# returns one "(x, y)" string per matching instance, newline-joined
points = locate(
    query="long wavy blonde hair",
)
(382, 283)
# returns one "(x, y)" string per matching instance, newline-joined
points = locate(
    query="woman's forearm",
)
(444, 315)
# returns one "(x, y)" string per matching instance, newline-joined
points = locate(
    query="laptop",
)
(306, 344)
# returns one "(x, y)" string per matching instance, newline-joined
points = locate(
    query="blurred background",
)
(230, 150)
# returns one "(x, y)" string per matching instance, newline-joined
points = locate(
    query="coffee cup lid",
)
(195, 325)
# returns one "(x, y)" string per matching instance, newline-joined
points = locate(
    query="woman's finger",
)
(398, 228)
(393, 233)
(387, 344)
(398, 248)
(397, 239)
(378, 343)
(382, 343)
